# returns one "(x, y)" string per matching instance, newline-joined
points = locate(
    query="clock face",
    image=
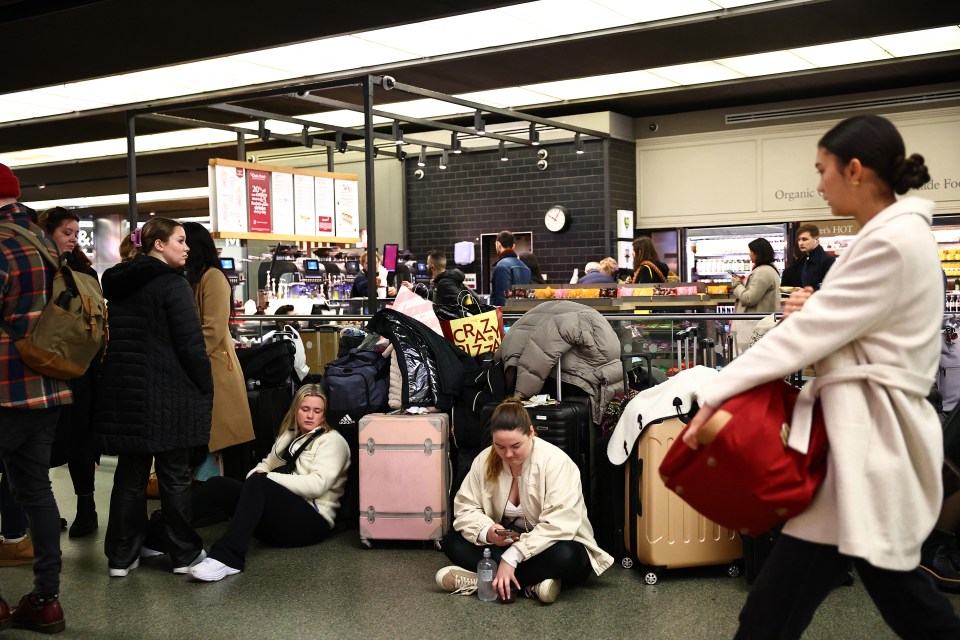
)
(555, 219)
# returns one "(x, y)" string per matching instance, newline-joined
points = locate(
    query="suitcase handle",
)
(636, 474)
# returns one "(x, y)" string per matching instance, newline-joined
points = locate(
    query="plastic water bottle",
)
(486, 569)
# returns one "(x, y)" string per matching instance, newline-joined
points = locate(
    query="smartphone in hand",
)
(507, 532)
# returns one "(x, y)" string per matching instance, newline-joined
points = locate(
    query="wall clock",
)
(557, 218)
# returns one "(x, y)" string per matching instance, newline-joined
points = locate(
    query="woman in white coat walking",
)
(872, 331)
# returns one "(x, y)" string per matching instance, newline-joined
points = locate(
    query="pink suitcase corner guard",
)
(404, 477)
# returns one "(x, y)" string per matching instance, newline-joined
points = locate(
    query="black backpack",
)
(268, 365)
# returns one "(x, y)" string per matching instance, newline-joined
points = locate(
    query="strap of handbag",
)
(290, 459)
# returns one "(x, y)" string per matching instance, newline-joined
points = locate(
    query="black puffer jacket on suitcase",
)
(155, 388)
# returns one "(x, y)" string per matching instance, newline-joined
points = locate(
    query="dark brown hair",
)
(506, 239)
(510, 415)
(812, 229)
(156, 229)
(51, 219)
(877, 144)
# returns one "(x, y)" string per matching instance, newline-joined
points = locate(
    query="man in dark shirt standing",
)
(29, 409)
(815, 261)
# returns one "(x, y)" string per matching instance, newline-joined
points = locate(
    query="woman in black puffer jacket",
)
(154, 395)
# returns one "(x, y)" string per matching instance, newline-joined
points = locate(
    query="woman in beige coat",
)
(759, 292)
(522, 499)
(231, 423)
(873, 332)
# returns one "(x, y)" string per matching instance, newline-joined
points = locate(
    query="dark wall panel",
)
(479, 193)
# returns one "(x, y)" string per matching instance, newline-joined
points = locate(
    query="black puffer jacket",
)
(432, 367)
(155, 389)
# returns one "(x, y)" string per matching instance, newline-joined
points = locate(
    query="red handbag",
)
(743, 476)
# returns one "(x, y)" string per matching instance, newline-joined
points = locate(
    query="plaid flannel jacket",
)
(26, 282)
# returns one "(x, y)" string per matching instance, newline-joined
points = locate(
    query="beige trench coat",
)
(231, 423)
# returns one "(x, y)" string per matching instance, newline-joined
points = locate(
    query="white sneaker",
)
(546, 591)
(196, 561)
(122, 573)
(457, 581)
(211, 570)
(147, 552)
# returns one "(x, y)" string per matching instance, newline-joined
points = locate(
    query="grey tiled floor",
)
(339, 590)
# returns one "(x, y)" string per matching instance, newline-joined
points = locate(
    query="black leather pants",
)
(128, 508)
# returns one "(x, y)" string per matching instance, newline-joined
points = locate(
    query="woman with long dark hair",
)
(74, 444)
(231, 425)
(647, 267)
(873, 332)
(154, 395)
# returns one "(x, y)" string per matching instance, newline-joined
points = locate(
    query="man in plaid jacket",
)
(29, 409)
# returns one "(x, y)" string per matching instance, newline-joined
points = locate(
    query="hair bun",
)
(910, 173)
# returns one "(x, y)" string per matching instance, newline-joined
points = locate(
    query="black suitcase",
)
(268, 406)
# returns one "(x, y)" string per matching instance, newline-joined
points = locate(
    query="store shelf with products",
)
(712, 253)
(948, 243)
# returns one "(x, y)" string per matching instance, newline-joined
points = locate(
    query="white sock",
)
(15, 540)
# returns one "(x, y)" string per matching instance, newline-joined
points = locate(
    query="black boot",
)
(86, 521)
(935, 560)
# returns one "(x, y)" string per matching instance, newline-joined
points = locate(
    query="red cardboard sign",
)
(258, 192)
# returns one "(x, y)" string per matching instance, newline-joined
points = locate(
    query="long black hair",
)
(203, 253)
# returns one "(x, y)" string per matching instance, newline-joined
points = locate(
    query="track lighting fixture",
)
(307, 139)
(478, 123)
(503, 152)
(397, 134)
(455, 143)
(443, 159)
(401, 155)
(264, 133)
(534, 135)
(341, 143)
(422, 160)
(578, 144)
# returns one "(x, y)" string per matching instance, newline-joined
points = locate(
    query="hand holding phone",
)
(510, 533)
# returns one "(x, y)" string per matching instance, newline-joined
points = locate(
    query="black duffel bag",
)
(267, 365)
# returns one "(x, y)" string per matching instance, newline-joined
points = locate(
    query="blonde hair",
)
(289, 422)
(608, 266)
(510, 415)
(128, 250)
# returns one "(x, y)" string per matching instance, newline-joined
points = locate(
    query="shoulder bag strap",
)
(32, 238)
(316, 433)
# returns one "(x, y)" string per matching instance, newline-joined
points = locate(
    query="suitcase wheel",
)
(438, 545)
(651, 577)
(365, 543)
(734, 570)
(627, 562)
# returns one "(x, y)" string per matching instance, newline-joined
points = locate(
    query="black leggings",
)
(798, 575)
(565, 560)
(259, 507)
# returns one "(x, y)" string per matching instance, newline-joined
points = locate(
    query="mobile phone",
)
(506, 532)
(733, 273)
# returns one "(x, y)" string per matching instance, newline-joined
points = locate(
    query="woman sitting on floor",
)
(289, 499)
(522, 499)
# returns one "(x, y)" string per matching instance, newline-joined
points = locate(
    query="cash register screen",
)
(390, 256)
(352, 266)
(311, 265)
(227, 264)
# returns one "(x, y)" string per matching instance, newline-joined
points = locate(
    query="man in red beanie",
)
(29, 408)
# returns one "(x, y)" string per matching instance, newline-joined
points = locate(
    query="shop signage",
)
(326, 207)
(304, 205)
(281, 202)
(258, 196)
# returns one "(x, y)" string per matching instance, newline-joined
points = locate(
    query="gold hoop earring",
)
(855, 183)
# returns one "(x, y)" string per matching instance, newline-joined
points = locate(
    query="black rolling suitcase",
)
(267, 408)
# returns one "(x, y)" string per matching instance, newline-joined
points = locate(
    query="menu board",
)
(230, 188)
(258, 196)
(326, 207)
(304, 208)
(281, 199)
(348, 208)
(249, 200)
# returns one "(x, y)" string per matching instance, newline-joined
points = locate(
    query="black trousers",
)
(566, 560)
(25, 441)
(128, 507)
(259, 507)
(798, 576)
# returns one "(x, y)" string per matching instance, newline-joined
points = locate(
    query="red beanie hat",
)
(9, 185)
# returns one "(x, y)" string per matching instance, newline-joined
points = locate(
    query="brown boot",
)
(17, 553)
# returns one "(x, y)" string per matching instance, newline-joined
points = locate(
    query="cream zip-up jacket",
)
(321, 470)
(550, 496)
(873, 332)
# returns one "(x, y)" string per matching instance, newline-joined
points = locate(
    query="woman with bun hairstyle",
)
(873, 332)
(74, 444)
(232, 425)
(154, 395)
(290, 499)
(521, 499)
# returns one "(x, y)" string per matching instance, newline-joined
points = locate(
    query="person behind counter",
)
(290, 499)
(521, 499)
(599, 272)
(361, 281)
(873, 332)
(647, 267)
(446, 285)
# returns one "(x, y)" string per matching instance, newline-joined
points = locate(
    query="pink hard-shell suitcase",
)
(404, 477)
